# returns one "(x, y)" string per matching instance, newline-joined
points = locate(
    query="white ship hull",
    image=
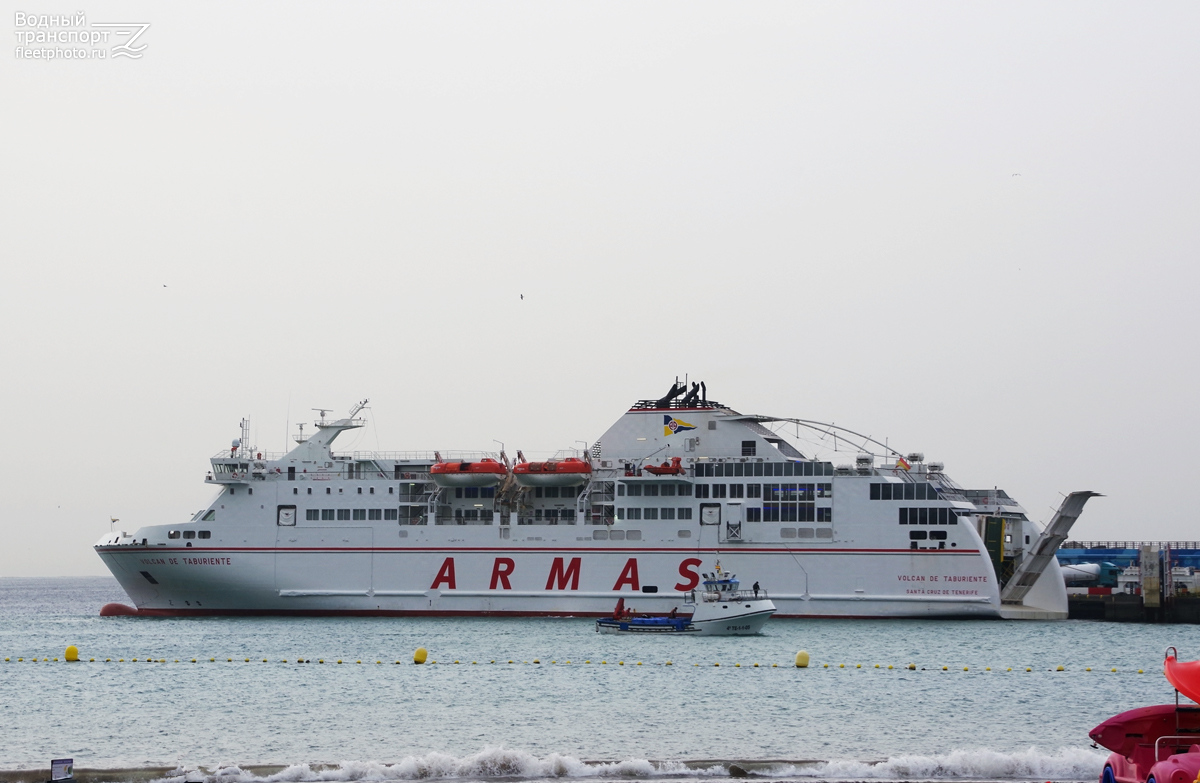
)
(315, 533)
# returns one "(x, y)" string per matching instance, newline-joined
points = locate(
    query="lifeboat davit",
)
(484, 473)
(555, 473)
(672, 468)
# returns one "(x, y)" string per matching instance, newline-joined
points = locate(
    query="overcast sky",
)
(969, 228)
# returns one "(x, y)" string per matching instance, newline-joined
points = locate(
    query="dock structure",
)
(1136, 581)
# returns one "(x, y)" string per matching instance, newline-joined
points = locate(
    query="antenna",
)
(322, 411)
(300, 438)
(358, 407)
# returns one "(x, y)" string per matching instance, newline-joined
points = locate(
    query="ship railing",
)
(248, 456)
(425, 456)
(715, 596)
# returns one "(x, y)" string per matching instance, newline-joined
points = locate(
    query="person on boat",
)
(756, 589)
(673, 612)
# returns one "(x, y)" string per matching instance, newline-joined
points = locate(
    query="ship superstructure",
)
(674, 482)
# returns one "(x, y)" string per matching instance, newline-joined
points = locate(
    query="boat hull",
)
(353, 575)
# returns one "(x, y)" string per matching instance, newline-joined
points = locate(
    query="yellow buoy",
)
(420, 655)
(756, 666)
(668, 663)
(1140, 671)
(1028, 669)
(876, 666)
(858, 666)
(802, 659)
(1114, 669)
(987, 668)
(965, 669)
(889, 666)
(737, 666)
(1009, 669)
(841, 666)
(776, 666)
(1060, 668)
(72, 653)
(945, 668)
(1088, 669)
(826, 666)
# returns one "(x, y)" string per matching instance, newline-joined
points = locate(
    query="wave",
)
(1067, 764)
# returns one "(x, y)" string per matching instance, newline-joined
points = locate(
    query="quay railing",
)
(1173, 545)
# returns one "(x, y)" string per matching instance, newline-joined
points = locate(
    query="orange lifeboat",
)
(484, 473)
(555, 473)
(672, 468)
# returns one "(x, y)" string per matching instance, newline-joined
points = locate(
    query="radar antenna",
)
(322, 411)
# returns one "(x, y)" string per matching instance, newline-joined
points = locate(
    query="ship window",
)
(910, 492)
(923, 516)
(375, 513)
(709, 469)
(551, 492)
(718, 490)
(327, 514)
(758, 469)
(250, 490)
(470, 492)
(918, 535)
(921, 489)
(754, 514)
(487, 492)
(635, 490)
(650, 513)
(372, 490)
(651, 490)
(737, 490)
(233, 490)
(343, 514)
(620, 513)
(327, 490)
(633, 513)
(824, 490)
(805, 532)
(209, 517)
(666, 513)
(620, 490)
(754, 490)
(360, 490)
(683, 533)
(701, 490)
(685, 489)
(876, 492)
(309, 490)
(205, 534)
(683, 513)
(173, 534)
(943, 516)
(668, 489)
(391, 490)
(189, 534)
(360, 514)
(937, 535)
(789, 469)
(391, 513)
(1026, 539)
(787, 532)
(748, 447)
(312, 514)
(824, 514)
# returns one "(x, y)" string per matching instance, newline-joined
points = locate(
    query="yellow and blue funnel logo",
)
(672, 425)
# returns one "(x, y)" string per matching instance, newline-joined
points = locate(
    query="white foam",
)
(1078, 764)
(1068, 764)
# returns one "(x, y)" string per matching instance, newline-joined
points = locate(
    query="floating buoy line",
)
(421, 657)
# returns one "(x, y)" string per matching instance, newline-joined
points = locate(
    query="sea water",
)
(571, 703)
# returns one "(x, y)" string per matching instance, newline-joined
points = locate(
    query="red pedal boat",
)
(1158, 744)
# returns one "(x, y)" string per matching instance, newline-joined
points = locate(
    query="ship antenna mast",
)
(358, 407)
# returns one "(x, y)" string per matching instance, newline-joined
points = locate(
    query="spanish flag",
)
(901, 462)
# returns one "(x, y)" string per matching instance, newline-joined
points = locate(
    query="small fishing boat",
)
(484, 473)
(721, 608)
(568, 472)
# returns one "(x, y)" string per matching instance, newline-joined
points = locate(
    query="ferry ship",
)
(673, 484)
